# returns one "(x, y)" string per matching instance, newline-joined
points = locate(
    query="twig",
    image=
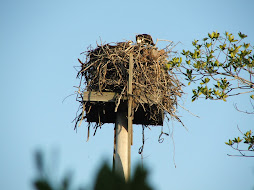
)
(240, 156)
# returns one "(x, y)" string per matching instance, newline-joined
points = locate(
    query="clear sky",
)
(40, 41)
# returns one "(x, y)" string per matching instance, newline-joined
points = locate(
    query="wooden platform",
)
(100, 108)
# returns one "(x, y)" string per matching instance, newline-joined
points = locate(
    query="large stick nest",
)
(106, 70)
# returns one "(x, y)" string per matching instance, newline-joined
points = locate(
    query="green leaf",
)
(239, 140)
(195, 42)
(231, 38)
(246, 45)
(241, 35)
(222, 47)
(168, 66)
(207, 80)
(208, 45)
(217, 92)
(217, 63)
(217, 35)
(212, 35)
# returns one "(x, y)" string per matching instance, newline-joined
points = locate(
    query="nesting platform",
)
(101, 107)
(130, 77)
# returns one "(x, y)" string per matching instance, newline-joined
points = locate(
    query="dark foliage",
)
(106, 179)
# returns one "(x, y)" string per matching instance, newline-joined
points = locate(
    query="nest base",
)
(104, 112)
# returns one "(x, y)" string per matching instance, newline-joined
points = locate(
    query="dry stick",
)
(188, 111)
(157, 40)
(82, 116)
(142, 68)
(87, 67)
(88, 132)
(172, 137)
(140, 151)
(114, 149)
(119, 99)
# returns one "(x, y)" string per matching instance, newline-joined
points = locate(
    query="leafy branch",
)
(247, 139)
(223, 66)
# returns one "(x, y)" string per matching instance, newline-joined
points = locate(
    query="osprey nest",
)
(105, 69)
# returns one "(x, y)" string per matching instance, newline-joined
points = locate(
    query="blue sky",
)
(40, 42)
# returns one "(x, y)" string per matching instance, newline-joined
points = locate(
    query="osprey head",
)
(144, 39)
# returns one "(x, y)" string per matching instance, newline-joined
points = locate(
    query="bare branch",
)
(241, 156)
(235, 106)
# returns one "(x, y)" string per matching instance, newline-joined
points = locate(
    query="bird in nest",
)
(144, 39)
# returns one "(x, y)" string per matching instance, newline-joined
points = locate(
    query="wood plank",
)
(111, 97)
(100, 97)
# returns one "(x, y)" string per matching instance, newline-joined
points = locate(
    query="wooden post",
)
(121, 152)
(123, 133)
(130, 116)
